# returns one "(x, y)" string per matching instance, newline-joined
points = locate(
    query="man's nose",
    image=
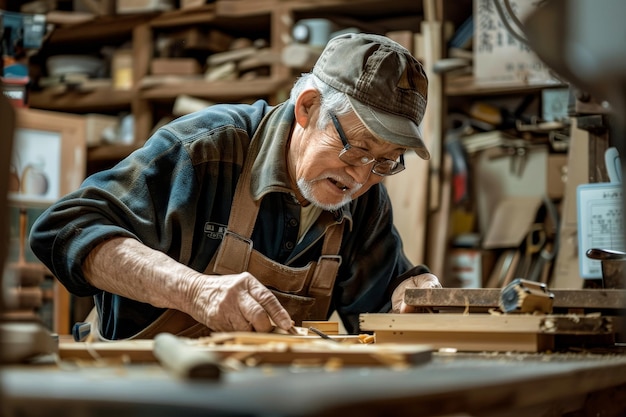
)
(361, 173)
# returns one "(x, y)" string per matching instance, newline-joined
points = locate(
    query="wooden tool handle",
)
(177, 356)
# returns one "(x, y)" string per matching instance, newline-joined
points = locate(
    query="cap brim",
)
(391, 128)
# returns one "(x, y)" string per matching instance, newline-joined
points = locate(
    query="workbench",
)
(476, 384)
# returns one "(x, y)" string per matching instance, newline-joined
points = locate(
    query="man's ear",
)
(307, 105)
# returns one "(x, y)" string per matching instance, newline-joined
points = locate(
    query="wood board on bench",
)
(487, 332)
(487, 298)
(258, 349)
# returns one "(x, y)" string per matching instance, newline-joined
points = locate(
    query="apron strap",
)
(326, 271)
(236, 253)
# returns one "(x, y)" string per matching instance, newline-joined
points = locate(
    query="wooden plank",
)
(432, 125)
(133, 350)
(170, 88)
(465, 341)
(518, 323)
(197, 15)
(312, 353)
(236, 8)
(104, 27)
(489, 298)
(485, 332)
(102, 99)
(62, 311)
(328, 327)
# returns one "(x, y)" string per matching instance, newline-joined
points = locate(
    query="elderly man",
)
(246, 217)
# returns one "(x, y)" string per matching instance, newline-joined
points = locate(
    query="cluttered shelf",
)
(168, 88)
(466, 85)
(98, 99)
(109, 152)
(105, 99)
(374, 8)
(92, 28)
(222, 90)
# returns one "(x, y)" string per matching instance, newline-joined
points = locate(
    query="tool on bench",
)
(184, 360)
(322, 334)
(80, 331)
(524, 296)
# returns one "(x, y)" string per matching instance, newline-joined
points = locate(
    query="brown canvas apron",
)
(305, 292)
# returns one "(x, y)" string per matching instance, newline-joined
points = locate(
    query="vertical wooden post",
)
(141, 108)
(61, 315)
(282, 20)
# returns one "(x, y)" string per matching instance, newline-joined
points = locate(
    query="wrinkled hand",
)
(236, 303)
(419, 281)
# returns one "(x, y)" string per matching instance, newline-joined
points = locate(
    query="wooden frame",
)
(56, 141)
(49, 156)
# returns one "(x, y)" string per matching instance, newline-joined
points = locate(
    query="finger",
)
(426, 281)
(271, 308)
(405, 308)
(258, 319)
(397, 297)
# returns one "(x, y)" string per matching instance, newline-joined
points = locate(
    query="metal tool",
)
(523, 296)
(322, 334)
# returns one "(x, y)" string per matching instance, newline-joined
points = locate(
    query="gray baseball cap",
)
(385, 84)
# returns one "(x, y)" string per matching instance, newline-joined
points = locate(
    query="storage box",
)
(175, 66)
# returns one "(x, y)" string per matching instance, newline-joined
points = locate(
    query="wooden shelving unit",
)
(215, 90)
(467, 86)
(272, 19)
(98, 100)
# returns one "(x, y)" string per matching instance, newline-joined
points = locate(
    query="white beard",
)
(306, 189)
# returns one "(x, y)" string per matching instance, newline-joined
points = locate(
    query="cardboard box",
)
(175, 66)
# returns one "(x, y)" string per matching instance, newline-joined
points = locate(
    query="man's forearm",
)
(126, 267)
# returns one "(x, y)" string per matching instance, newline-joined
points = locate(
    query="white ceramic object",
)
(74, 64)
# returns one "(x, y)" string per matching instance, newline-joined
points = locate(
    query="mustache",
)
(306, 188)
(352, 185)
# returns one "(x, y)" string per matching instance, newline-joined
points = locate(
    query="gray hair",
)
(331, 99)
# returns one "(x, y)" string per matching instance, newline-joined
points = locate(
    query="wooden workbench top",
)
(476, 384)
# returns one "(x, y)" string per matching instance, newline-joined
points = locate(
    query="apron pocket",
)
(297, 306)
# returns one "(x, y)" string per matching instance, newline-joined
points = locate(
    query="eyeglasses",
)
(358, 157)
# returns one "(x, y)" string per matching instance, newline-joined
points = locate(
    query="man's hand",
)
(236, 303)
(127, 267)
(419, 281)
